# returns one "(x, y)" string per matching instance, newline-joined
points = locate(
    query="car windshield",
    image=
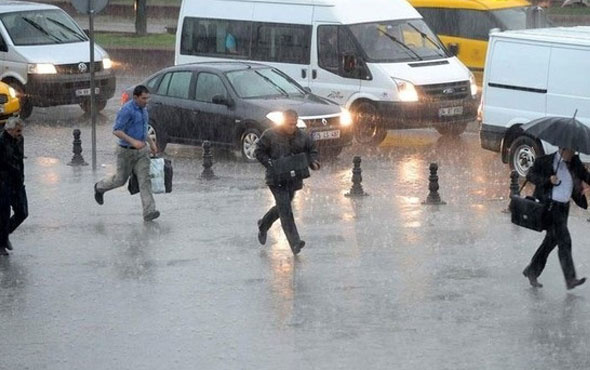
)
(520, 18)
(257, 83)
(42, 27)
(398, 41)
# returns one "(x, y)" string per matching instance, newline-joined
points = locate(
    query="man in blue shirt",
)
(133, 154)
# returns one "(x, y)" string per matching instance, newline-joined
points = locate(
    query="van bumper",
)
(62, 89)
(490, 137)
(398, 115)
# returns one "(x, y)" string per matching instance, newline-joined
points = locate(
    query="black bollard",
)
(357, 189)
(514, 189)
(207, 173)
(77, 159)
(433, 196)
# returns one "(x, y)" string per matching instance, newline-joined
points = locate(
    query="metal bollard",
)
(514, 189)
(433, 196)
(77, 159)
(357, 188)
(207, 173)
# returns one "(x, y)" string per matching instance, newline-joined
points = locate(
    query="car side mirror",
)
(350, 63)
(454, 49)
(221, 100)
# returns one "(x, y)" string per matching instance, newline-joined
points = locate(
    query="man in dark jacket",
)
(557, 178)
(12, 181)
(278, 142)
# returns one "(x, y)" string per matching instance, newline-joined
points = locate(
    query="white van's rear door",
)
(327, 77)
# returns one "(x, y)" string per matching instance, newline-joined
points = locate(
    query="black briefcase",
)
(291, 167)
(529, 212)
(133, 184)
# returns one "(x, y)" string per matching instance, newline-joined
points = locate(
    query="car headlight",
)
(42, 69)
(406, 90)
(473, 84)
(345, 118)
(278, 118)
(107, 63)
(12, 92)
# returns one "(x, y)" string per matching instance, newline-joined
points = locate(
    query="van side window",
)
(215, 37)
(283, 43)
(334, 42)
(208, 86)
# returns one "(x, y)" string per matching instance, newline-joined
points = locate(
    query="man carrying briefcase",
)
(286, 152)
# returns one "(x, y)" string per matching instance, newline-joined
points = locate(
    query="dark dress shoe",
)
(298, 247)
(8, 246)
(575, 282)
(261, 233)
(151, 216)
(532, 279)
(98, 196)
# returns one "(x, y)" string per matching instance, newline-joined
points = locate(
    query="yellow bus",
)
(464, 25)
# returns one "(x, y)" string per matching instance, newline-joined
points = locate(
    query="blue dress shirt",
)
(132, 120)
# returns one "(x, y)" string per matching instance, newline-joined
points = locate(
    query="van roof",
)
(9, 6)
(341, 11)
(579, 35)
(470, 4)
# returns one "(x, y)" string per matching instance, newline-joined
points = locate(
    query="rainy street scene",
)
(296, 184)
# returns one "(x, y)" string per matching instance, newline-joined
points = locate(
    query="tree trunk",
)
(141, 17)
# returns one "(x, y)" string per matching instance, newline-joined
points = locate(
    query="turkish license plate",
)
(86, 92)
(450, 111)
(325, 135)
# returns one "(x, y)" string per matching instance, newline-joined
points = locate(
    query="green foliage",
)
(157, 41)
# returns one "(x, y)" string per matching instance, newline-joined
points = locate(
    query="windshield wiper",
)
(281, 90)
(425, 36)
(38, 27)
(406, 47)
(73, 31)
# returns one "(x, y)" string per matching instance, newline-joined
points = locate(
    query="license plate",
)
(450, 111)
(86, 92)
(325, 135)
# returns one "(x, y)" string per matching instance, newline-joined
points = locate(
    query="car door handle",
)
(314, 74)
(303, 73)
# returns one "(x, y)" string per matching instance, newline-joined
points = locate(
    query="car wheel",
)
(368, 131)
(158, 136)
(248, 144)
(100, 105)
(26, 106)
(523, 152)
(453, 129)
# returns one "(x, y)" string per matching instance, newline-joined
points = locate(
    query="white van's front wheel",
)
(523, 152)
(367, 131)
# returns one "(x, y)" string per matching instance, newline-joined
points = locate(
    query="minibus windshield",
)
(398, 41)
(42, 27)
(262, 82)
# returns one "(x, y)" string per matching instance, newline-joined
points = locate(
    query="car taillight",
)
(124, 97)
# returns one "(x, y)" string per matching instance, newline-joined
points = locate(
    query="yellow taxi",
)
(9, 103)
(464, 25)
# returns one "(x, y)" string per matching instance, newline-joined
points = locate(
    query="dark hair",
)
(291, 113)
(140, 89)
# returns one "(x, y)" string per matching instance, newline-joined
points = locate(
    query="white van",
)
(45, 57)
(375, 57)
(531, 74)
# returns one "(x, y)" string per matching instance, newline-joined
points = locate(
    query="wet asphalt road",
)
(383, 282)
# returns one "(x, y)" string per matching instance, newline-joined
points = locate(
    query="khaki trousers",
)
(138, 162)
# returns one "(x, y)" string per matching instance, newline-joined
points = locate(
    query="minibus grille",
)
(77, 68)
(446, 91)
(321, 122)
(3, 98)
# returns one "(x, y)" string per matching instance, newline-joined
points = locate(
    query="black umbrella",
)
(563, 132)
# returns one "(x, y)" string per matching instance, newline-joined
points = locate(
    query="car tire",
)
(26, 106)
(368, 130)
(453, 129)
(158, 135)
(523, 151)
(100, 105)
(248, 144)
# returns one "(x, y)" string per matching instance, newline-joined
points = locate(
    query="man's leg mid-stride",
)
(142, 171)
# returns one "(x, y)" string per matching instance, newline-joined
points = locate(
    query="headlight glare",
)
(12, 92)
(107, 63)
(42, 69)
(406, 90)
(345, 118)
(278, 118)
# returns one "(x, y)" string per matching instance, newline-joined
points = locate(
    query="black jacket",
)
(542, 171)
(12, 168)
(274, 144)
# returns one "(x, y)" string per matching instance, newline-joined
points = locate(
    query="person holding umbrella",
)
(558, 178)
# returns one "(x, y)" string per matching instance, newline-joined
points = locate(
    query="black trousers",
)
(283, 195)
(557, 235)
(14, 197)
